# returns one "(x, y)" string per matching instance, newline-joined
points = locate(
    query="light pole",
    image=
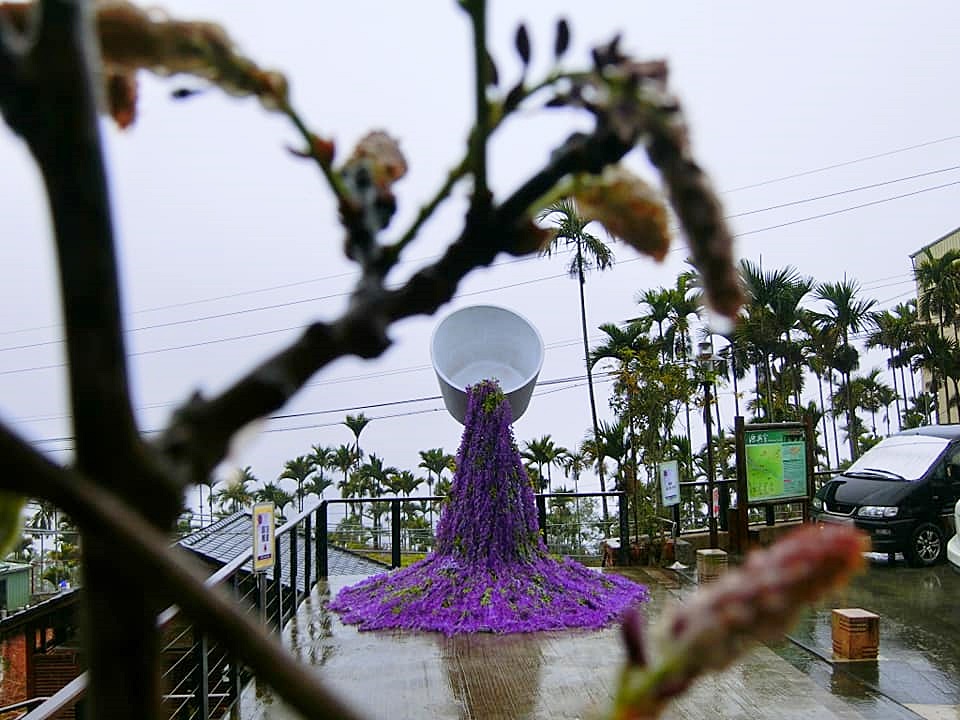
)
(705, 359)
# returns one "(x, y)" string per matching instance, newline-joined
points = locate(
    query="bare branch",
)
(478, 145)
(64, 138)
(199, 435)
(138, 545)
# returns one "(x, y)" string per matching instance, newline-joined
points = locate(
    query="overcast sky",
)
(228, 244)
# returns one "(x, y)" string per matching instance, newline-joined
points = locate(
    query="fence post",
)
(235, 688)
(395, 533)
(307, 553)
(322, 568)
(542, 516)
(278, 584)
(624, 530)
(294, 571)
(203, 674)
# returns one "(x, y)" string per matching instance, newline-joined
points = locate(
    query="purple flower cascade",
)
(490, 571)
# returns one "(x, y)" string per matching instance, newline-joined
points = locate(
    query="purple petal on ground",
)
(490, 571)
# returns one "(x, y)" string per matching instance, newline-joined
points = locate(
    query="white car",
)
(953, 547)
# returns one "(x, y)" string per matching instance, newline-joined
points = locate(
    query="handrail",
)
(63, 699)
(23, 704)
(68, 695)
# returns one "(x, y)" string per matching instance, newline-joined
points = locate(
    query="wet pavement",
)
(571, 674)
(918, 668)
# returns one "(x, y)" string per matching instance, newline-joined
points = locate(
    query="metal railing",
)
(395, 545)
(201, 678)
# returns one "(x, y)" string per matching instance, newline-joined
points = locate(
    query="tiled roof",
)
(231, 536)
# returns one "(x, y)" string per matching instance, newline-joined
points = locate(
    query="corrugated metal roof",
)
(950, 241)
(231, 536)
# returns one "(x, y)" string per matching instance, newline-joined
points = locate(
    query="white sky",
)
(215, 218)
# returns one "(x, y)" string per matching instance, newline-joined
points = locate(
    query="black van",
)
(902, 492)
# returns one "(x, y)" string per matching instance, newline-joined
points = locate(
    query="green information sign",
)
(776, 464)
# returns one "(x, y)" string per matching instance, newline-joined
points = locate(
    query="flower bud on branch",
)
(757, 602)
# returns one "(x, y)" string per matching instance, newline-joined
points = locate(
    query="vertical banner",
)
(263, 536)
(669, 483)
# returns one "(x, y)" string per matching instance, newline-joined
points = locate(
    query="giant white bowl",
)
(486, 342)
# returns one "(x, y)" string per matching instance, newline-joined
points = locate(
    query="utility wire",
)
(847, 209)
(345, 293)
(842, 164)
(842, 192)
(573, 381)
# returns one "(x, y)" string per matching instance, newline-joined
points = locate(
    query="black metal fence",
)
(201, 678)
(395, 539)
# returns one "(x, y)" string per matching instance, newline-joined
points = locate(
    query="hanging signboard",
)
(775, 461)
(263, 536)
(669, 483)
(774, 466)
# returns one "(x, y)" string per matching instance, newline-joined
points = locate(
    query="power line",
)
(847, 209)
(576, 380)
(275, 306)
(842, 192)
(842, 164)
(255, 291)
(331, 381)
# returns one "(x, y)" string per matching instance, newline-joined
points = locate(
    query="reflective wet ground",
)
(571, 674)
(918, 669)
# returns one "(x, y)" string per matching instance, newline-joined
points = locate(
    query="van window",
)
(909, 456)
(952, 458)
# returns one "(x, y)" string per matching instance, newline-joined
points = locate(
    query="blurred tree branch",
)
(130, 491)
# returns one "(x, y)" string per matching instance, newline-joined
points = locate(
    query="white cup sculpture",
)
(485, 342)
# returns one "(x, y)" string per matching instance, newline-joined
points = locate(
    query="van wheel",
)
(926, 546)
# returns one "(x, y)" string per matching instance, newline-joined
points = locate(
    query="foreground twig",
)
(170, 573)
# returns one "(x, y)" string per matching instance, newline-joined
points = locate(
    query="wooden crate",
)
(856, 634)
(711, 564)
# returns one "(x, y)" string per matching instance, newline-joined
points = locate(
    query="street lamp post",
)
(706, 360)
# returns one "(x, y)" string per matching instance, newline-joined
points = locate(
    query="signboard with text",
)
(263, 536)
(775, 463)
(669, 483)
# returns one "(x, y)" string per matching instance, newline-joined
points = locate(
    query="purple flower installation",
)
(490, 571)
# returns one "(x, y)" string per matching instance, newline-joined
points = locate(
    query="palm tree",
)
(938, 279)
(43, 520)
(403, 483)
(322, 457)
(573, 464)
(376, 477)
(273, 493)
(683, 304)
(435, 461)
(344, 458)
(624, 346)
(772, 319)
(616, 446)
(299, 470)
(543, 451)
(849, 315)
(589, 252)
(357, 423)
(939, 356)
(236, 494)
(885, 334)
(819, 346)
(316, 485)
(660, 305)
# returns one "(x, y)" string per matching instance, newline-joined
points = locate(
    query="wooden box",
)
(711, 564)
(856, 634)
